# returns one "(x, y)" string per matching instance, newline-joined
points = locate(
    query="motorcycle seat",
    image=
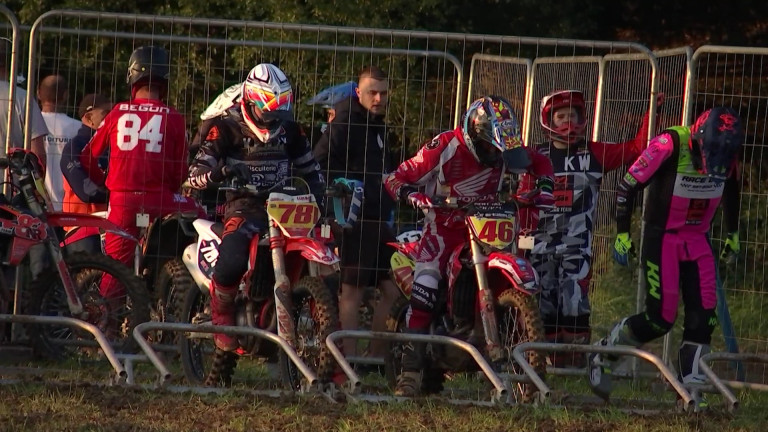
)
(218, 229)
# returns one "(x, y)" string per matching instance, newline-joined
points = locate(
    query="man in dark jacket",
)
(354, 147)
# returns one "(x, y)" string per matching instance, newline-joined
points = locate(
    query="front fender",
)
(518, 271)
(78, 220)
(312, 250)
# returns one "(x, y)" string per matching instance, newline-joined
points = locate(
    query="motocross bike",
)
(69, 284)
(160, 241)
(488, 298)
(282, 291)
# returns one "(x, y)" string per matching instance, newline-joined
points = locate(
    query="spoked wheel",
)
(171, 286)
(315, 317)
(115, 317)
(203, 364)
(519, 321)
(395, 324)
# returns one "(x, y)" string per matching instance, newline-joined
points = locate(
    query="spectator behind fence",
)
(687, 171)
(354, 147)
(81, 194)
(38, 129)
(52, 93)
(562, 251)
(146, 140)
(327, 98)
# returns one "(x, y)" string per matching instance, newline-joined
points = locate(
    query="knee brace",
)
(648, 326)
(699, 325)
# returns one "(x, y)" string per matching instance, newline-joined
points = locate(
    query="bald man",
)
(52, 93)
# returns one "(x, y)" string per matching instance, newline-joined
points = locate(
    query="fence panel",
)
(504, 76)
(735, 76)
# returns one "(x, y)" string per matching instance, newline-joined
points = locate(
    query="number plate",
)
(495, 232)
(296, 217)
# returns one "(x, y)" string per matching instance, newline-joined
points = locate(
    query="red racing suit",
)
(446, 167)
(147, 144)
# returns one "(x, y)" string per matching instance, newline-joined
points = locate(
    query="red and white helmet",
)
(266, 100)
(571, 131)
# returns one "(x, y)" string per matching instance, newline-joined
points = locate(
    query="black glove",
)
(239, 171)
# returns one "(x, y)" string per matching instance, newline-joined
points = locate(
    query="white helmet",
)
(266, 100)
(226, 100)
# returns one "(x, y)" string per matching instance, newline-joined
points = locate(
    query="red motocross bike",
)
(489, 299)
(68, 284)
(282, 291)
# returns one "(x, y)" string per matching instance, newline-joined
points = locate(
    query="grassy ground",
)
(38, 407)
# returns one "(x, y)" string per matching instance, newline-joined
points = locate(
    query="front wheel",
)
(116, 317)
(519, 321)
(202, 362)
(315, 317)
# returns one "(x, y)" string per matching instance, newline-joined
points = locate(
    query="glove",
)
(622, 248)
(544, 200)
(730, 252)
(240, 172)
(418, 200)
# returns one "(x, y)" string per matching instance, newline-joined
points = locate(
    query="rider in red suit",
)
(146, 140)
(466, 163)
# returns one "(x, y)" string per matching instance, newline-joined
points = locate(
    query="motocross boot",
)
(688, 368)
(223, 313)
(601, 365)
(409, 381)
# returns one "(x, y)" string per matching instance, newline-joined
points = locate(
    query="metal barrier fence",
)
(427, 86)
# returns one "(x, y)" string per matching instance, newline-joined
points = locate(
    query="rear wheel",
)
(315, 316)
(395, 324)
(115, 317)
(519, 321)
(171, 286)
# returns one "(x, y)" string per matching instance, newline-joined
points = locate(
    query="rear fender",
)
(518, 271)
(80, 221)
(312, 250)
(406, 248)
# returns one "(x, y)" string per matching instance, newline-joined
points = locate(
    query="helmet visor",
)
(266, 120)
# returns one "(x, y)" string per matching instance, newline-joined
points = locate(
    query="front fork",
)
(73, 300)
(487, 304)
(283, 302)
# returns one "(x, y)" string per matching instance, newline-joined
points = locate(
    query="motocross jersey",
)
(147, 143)
(579, 171)
(446, 167)
(684, 200)
(230, 142)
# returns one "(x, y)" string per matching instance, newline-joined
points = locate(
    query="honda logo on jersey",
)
(474, 184)
(584, 161)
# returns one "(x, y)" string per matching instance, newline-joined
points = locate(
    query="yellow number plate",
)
(295, 219)
(495, 232)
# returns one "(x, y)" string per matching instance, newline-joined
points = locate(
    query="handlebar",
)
(263, 193)
(515, 202)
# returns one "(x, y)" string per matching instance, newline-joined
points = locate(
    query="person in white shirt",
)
(52, 93)
(38, 129)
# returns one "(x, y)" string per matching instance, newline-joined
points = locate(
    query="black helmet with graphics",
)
(716, 138)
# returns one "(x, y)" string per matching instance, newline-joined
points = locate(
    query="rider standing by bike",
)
(467, 162)
(687, 171)
(255, 141)
(146, 140)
